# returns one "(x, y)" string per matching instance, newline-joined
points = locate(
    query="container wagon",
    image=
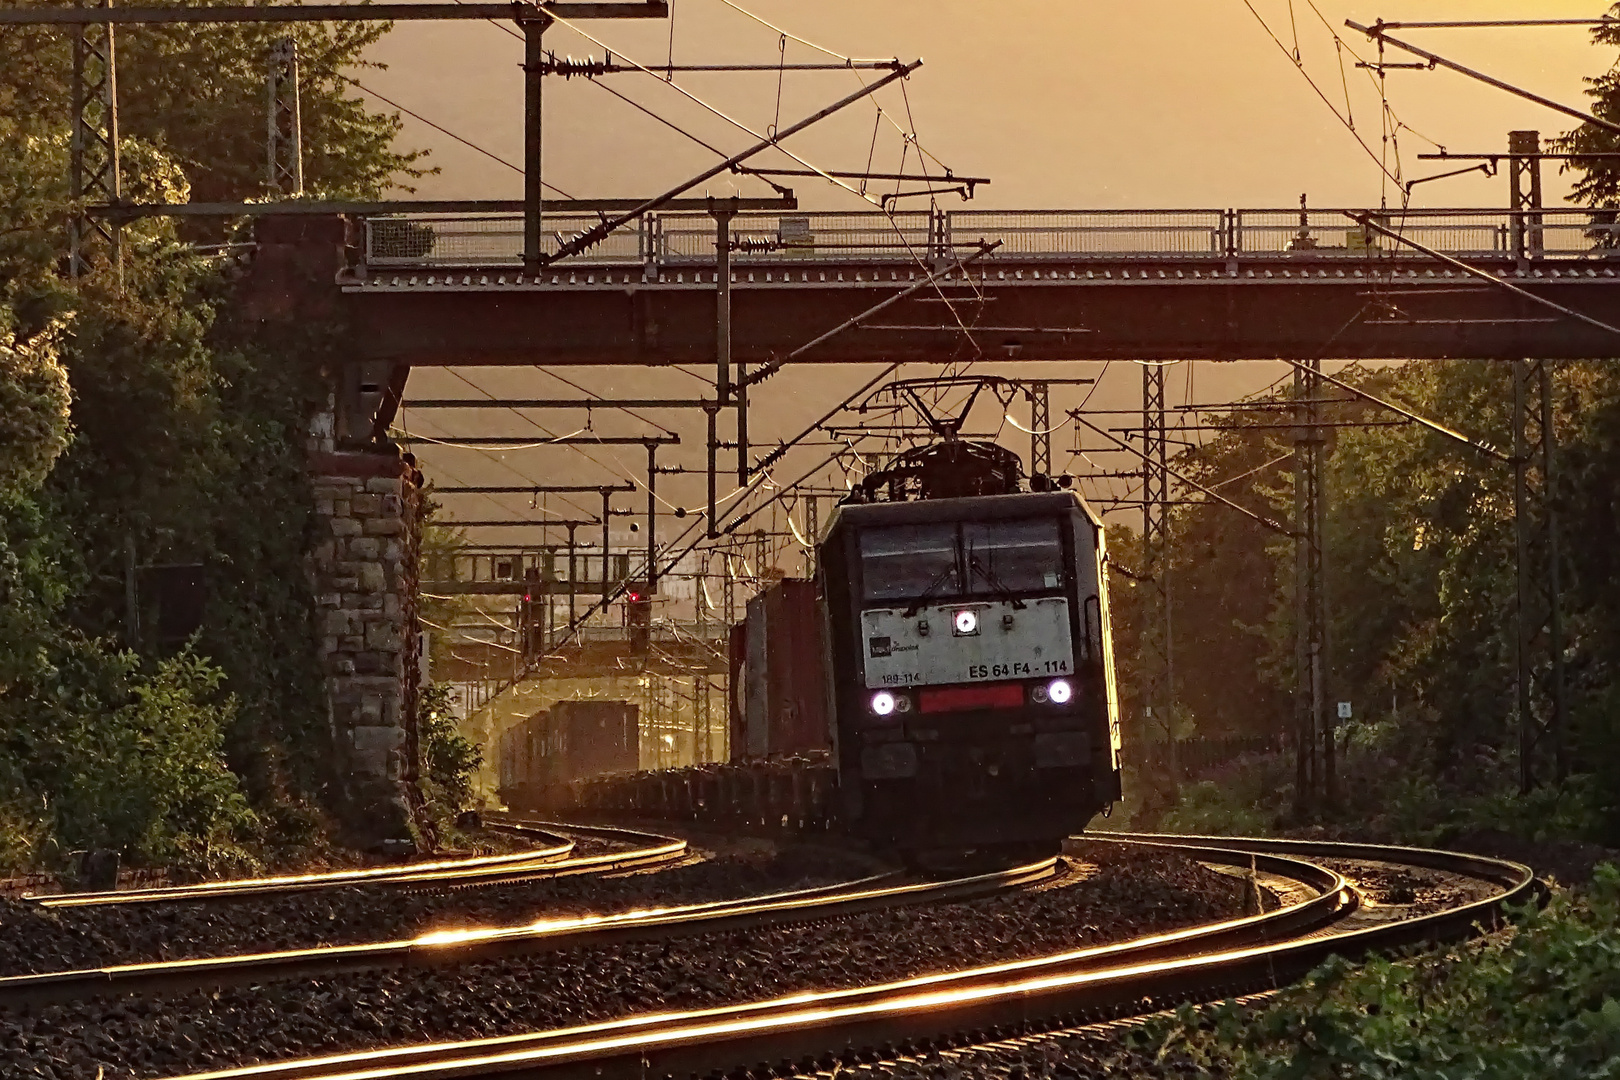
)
(572, 740)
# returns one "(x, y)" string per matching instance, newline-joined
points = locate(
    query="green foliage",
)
(197, 94)
(114, 758)
(1600, 183)
(1222, 808)
(33, 406)
(450, 760)
(1420, 550)
(185, 446)
(1382, 797)
(1543, 1000)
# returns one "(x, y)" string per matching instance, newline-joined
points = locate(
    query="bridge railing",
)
(688, 239)
(536, 566)
(1077, 234)
(923, 238)
(493, 240)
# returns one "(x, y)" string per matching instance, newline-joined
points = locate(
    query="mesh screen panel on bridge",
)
(855, 237)
(490, 240)
(1463, 233)
(1071, 233)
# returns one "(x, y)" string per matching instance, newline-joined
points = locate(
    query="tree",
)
(185, 446)
(1599, 184)
(197, 95)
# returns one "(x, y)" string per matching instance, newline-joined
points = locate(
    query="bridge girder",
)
(1298, 308)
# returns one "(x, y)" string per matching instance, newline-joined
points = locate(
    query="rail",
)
(550, 860)
(478, 945)
(980, 1005)
(686, 240)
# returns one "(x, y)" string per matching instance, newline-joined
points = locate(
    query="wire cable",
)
(445, 131)
(1376, 160)
(678, 88)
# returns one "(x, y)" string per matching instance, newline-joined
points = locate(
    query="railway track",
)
(450, 948)
(979, 1006)
(550, 859)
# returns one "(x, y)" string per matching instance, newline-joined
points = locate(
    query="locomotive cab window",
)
(904, 562)
(1012, 556)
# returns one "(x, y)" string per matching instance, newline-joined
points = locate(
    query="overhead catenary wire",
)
(1261, 519)
(622, 468)
(1376, 32)
(768, 481)
(773, 143)
(1344, 120)
(508, 466)
(444, 130)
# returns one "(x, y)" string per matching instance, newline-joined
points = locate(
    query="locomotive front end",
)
(970, 669)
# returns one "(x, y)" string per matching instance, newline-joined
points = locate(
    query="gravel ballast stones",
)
(34, 939)
(1114, 895)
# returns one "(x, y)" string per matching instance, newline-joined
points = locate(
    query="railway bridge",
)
(1062, 285)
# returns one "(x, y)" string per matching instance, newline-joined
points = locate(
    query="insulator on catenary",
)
(568, 66)
(753, 243)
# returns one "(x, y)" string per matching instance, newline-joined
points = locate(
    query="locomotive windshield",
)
(906, 561)
(1012, 556)
(912, 562)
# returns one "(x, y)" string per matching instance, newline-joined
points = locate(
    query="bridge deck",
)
(1229, 284)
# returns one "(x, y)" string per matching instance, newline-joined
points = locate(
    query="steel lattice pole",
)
(285, 147)
(1040, 426)
(1311, 731)
(1155, 551)
(95, 175)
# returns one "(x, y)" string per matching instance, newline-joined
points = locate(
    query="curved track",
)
(448, 948)
(979, 1005)
(550, 859)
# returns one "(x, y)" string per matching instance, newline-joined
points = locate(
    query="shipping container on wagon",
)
(594, 738)
(737, 668)
(783, 675)
(521, 750)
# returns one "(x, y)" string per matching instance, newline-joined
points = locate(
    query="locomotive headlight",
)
(902, 704)
(883, 703)
(1059, 691)
(1039, 695)
(965, 622)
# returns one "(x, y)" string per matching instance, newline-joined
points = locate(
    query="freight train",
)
(945, 683)
(540, 757)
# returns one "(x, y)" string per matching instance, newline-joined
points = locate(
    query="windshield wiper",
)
(995, 583)
(928, 593)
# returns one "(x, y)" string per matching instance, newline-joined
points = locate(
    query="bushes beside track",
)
(149, 424)
(1539, 1000)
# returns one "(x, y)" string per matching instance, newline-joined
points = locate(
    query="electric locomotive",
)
(969, 660)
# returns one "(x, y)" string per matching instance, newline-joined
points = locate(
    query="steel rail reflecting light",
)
(290, 882)
(1281, 941)
(733, 1019)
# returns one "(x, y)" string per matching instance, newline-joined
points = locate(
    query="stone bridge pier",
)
(362, 567)
(363, 544)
